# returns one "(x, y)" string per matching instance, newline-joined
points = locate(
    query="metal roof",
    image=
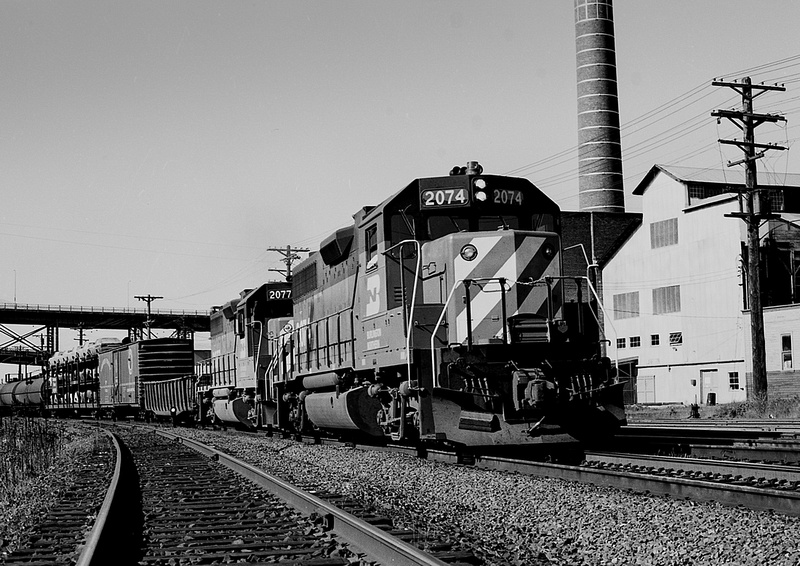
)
(733, 177)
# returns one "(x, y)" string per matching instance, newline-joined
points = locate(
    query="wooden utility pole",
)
(148, 299)
(756, 208)
(289, 257)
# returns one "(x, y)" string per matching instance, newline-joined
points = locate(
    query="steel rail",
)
(762, 499)
(777, 451)
(744, 469)
(101, 536)
(378, 545)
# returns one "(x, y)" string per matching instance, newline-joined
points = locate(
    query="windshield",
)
(440, 225)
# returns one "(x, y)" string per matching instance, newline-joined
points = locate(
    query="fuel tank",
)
(352, 410)
(235, 411)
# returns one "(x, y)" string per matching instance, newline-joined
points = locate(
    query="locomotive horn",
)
(474, 168)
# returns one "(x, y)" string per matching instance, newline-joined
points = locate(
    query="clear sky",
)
(162, 146)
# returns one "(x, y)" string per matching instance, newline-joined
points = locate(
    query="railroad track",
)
(59, 537)
(746, 484)
(779, 495)
(741, 441)
(194, 510)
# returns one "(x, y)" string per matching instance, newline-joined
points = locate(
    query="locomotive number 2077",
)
(280, 294)
(444, 197)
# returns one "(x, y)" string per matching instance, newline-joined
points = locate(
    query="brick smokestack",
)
(599, 149)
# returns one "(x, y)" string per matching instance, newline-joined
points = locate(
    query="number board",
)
(444, 197)
(507, 196)
(277, 294)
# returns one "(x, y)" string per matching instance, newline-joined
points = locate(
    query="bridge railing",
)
(120, 310)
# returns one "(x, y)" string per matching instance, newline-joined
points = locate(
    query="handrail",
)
(122, 310)
(436, 329)
(409, 322)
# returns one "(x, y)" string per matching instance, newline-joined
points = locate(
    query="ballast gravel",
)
(522, 520)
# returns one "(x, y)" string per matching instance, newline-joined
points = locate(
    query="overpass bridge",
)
(22, 349)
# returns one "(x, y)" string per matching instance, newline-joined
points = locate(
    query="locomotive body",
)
(443, 314)
(231, 385)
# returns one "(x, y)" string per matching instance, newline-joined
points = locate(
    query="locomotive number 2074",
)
(444, 197)
(504, 196)
(280, 294)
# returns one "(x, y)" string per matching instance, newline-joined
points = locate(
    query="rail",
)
(113, 310)
(378, 545)
(100, 540)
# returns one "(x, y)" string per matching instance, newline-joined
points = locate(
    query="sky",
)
(161, 147)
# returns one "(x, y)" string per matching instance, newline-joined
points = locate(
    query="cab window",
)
(371, 241)
(439, 226)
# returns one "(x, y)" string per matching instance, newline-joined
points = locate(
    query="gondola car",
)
(444, 314)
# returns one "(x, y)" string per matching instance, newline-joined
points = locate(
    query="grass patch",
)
(784, 409)
(27, 447)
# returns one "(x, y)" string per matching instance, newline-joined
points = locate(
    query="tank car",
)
(231, 383)
(444, 314)
(28, 395)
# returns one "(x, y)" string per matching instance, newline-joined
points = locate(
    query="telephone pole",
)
(148, 299)
(289, 257)
(755, 210)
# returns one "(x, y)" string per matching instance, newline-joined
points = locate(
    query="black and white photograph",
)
(399, 283)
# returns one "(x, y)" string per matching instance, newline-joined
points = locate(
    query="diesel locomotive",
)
(444, 314)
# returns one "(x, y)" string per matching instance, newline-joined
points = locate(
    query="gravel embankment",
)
(523, 520)
(35, 496)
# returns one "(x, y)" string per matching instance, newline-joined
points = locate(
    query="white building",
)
(675, 290)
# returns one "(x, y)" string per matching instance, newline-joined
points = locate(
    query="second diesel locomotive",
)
(441, 314)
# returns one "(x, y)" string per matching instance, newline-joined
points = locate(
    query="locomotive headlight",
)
(480, 190)
(549, 251)
(469, 252)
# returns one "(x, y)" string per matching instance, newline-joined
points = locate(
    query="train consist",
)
(442, 314)
(107, 378)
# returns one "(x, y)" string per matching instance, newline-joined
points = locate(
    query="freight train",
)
(443, 314)
(109, 378)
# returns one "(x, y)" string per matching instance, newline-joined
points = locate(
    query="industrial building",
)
(678, 321)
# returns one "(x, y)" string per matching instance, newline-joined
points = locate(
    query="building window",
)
(701, 191)
(626, 305)
(733, 379)
(667, 299)
(786, 351)
(675, 338)
(636, 341)
(777, 202)
(655, 339)
(664, 233)
(620, 342)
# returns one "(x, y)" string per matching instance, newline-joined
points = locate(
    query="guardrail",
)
(118, 310)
